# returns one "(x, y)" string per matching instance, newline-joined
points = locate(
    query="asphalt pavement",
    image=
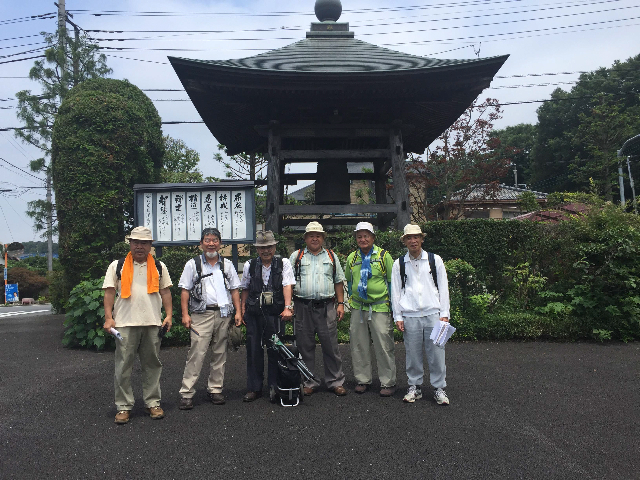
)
(518, 410)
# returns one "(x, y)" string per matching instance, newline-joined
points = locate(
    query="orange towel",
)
(126, 278)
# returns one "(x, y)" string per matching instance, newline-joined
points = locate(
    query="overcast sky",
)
(542, 37)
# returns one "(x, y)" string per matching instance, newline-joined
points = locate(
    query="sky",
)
(549, 42)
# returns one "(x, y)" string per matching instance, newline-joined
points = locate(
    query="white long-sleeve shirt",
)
(419, 297)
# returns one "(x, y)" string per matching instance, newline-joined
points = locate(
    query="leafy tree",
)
(179, 163)
(517, 142)
(527, 202)
(106, 138)
(465, 157)
(30, 283)
(66, 64)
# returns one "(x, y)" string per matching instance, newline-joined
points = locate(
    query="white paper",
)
(441, 333)
(163, 215)
(209, 210)
(148, 211)
(194, 218)
(179, 216)
(223, 205)
(239, 217)
(115, 333)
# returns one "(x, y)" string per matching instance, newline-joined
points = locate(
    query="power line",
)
(18, 168)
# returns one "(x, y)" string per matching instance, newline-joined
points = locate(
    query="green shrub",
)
(85, 317)
(30, 284)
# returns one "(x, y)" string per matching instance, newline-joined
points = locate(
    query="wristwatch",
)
(289, 307)
(340, 303)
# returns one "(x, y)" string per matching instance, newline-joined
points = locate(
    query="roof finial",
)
(328, 10)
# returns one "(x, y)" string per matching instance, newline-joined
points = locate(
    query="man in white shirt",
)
(211, 295)
(418, 304)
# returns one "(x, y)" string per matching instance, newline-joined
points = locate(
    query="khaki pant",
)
(361, 332)
(213, 330)
(145, 342)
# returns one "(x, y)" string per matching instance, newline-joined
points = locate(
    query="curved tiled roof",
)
(339, 55)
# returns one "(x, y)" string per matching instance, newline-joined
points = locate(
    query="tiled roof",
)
(555, 216)
(504, 192)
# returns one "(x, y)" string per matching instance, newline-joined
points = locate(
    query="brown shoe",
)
(251, 396)
(387, 391)
(340, 391)
(308, 391)
(217, 398)
(361, 388)
(155, 412)
(122, 417)
(186, 403)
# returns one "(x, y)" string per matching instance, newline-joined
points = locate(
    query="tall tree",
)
(466, 158)
(179, 162)
(517, 143)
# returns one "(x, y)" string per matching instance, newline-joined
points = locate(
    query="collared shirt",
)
(189, 275)
(419, 297)
(377, 285)
(316, 275)
(141, 309)
(287, 274)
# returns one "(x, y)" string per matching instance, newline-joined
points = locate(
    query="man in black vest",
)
(267, 283)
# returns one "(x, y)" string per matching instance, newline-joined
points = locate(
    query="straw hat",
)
(411, 229)
(314, 227)
(364, 226)
(265, 238)
(141, 233)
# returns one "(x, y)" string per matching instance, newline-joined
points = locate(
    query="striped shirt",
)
(316, 280)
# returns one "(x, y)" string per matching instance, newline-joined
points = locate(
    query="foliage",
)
(525, 283)
(85, 317)
(30, 284)
(107, 137)
(39, 265)
(558, 199)
(516, 142)
(465, 158)
(38, 247)
(179, 162)
(527, 202)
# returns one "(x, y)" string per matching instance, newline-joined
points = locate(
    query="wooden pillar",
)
(272, 214)
(400, 185)
(380, 188)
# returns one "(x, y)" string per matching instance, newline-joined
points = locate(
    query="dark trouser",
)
(260, 328)
(321, 319)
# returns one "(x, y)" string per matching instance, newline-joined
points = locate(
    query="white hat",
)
(411, 229)
(364, 226)
(315, 227)
(141, 233)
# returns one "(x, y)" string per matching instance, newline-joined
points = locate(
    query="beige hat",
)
(265, 238)
(315, 227)
(364, 226)
(141, 233)
(411, 229)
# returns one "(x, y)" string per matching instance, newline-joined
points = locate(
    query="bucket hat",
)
(364, 226)
(265, 238)
(141, 233)
(411, 229)
(315, 227)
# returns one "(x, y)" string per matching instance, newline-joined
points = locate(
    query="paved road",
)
(20, 310)
(519, 410)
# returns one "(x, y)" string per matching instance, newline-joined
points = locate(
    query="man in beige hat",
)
(420, 299)
(319, 305)
(142, 284)
(266, 304)
(368, 272)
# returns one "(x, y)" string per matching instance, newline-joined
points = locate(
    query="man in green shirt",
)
(368, 273)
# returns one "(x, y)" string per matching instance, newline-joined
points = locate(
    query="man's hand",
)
(186, 321)
(340, 312)
(109, 323)
(444, 319)
(400, 326)
(287, 315)
(168, 322)
(238, 319)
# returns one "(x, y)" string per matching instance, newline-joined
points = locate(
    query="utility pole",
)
(633, 188)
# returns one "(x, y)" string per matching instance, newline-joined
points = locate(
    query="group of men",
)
(306, 289)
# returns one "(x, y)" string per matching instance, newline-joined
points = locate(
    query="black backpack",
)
(198, 261)
(432, 264)
(121, 264)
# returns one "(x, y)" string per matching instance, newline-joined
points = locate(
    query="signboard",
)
(177, 213)
(11, 292)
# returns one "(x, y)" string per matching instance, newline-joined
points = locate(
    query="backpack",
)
(121, 264)
(432, 265)
(381, 255)
(196, 301)
(296, 268)
(198, 262)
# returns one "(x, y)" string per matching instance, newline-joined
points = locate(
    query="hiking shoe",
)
(122, 417)
(441, 397)
(387, 391)
(155, 412)
(217, 398)
(186, 403)
(413, 394)
(361, 388)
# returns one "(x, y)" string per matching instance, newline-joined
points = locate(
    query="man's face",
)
(413, 243)
(314, 241)
(365, 239)
(210, 244)
(140, 249)
(266, 253)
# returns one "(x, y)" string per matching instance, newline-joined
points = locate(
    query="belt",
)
(213, 307)
(315, 303)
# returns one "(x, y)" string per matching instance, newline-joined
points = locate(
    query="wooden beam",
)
(400, 186)
(337, 209)
(272, 214)
(301, 222)
(315, 155)
(328, 131)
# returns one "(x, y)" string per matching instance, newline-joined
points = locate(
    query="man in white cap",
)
(420, 299)
(319, 305)
(266, 304)
(368, 272)
(142, 284)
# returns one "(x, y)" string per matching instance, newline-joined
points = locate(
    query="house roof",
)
(485, 193)
(555, 216)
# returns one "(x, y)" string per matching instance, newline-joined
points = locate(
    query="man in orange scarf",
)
(142, 291)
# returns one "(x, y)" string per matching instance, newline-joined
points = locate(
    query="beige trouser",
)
(145, 342)
(362, 332)
(213, 330)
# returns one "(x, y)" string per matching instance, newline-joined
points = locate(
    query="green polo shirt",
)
(377, 286)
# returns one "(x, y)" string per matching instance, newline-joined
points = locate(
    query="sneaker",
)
(155, 412)
(413, 394)
(122, 417)
(441, 397)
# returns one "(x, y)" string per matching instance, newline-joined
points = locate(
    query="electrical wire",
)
(23, 171)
